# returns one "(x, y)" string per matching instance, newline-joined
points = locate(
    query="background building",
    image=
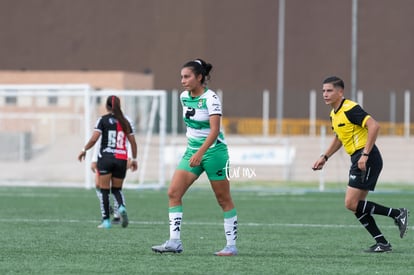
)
(239, 37)
(142, 44)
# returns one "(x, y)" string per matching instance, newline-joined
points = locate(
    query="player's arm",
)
(131, 157)
(94, 160)
(215, 121)
(373, 130)
(359, 116)
(128, 145)
(133, 144)
(95, 136)
(335, 145)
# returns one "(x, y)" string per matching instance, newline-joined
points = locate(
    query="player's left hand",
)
(195, 160)
(133, 165)
(362, 163)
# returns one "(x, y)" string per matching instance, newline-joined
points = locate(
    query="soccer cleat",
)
(402, 221)
(173, 246)
(229, 250)
(106, 224)
(124, 216)
(379, 248)
(116, 220)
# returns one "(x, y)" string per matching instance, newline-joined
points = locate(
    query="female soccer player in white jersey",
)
(113, 156)
(206, 152)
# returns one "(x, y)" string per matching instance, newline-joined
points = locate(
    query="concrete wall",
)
(97, 79)
(45, 169)
(239, 37)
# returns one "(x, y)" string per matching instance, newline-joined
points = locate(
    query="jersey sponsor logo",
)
(114, 151)
(190, 112)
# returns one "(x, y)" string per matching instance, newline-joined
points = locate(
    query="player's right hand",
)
(318, 164)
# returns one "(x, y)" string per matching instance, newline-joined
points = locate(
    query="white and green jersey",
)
(196, 115)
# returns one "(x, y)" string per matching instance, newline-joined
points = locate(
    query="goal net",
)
(44, 127)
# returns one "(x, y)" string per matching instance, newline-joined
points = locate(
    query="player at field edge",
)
(113, 156)
(206, 152)
(357, 132)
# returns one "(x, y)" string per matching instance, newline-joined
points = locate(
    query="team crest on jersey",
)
(200, 103)
(112, 120)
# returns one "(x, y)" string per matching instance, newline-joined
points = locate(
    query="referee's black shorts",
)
(116, 167)
(366, 180)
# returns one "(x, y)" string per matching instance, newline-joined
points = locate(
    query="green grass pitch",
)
(53, 231)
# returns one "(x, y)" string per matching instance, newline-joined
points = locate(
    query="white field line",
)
(247, 224)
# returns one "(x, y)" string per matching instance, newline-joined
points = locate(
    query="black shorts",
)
(365, 180)
(116, 167)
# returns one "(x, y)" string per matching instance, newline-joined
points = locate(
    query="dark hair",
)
(335, 81)
(113, 104)
(199, 67)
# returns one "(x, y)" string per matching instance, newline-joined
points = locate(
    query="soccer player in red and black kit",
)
(113, 156)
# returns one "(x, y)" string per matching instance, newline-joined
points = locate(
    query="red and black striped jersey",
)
(113, 141)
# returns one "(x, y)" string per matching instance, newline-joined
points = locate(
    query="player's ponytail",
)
(113, 104)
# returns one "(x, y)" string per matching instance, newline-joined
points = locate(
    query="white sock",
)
(116, 207)
(230, 228)
(175, 215)
(99, 195)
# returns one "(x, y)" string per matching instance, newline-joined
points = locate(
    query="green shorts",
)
(215, 162)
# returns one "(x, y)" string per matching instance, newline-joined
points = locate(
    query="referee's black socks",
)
(371, 226)
(370, 207)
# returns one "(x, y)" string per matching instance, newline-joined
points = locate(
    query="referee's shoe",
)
(379, 248)
(402, 221)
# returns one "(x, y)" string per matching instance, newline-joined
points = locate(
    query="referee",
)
(357, 132)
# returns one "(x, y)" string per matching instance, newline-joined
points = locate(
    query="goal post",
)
(151, 145)
(43, 128)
